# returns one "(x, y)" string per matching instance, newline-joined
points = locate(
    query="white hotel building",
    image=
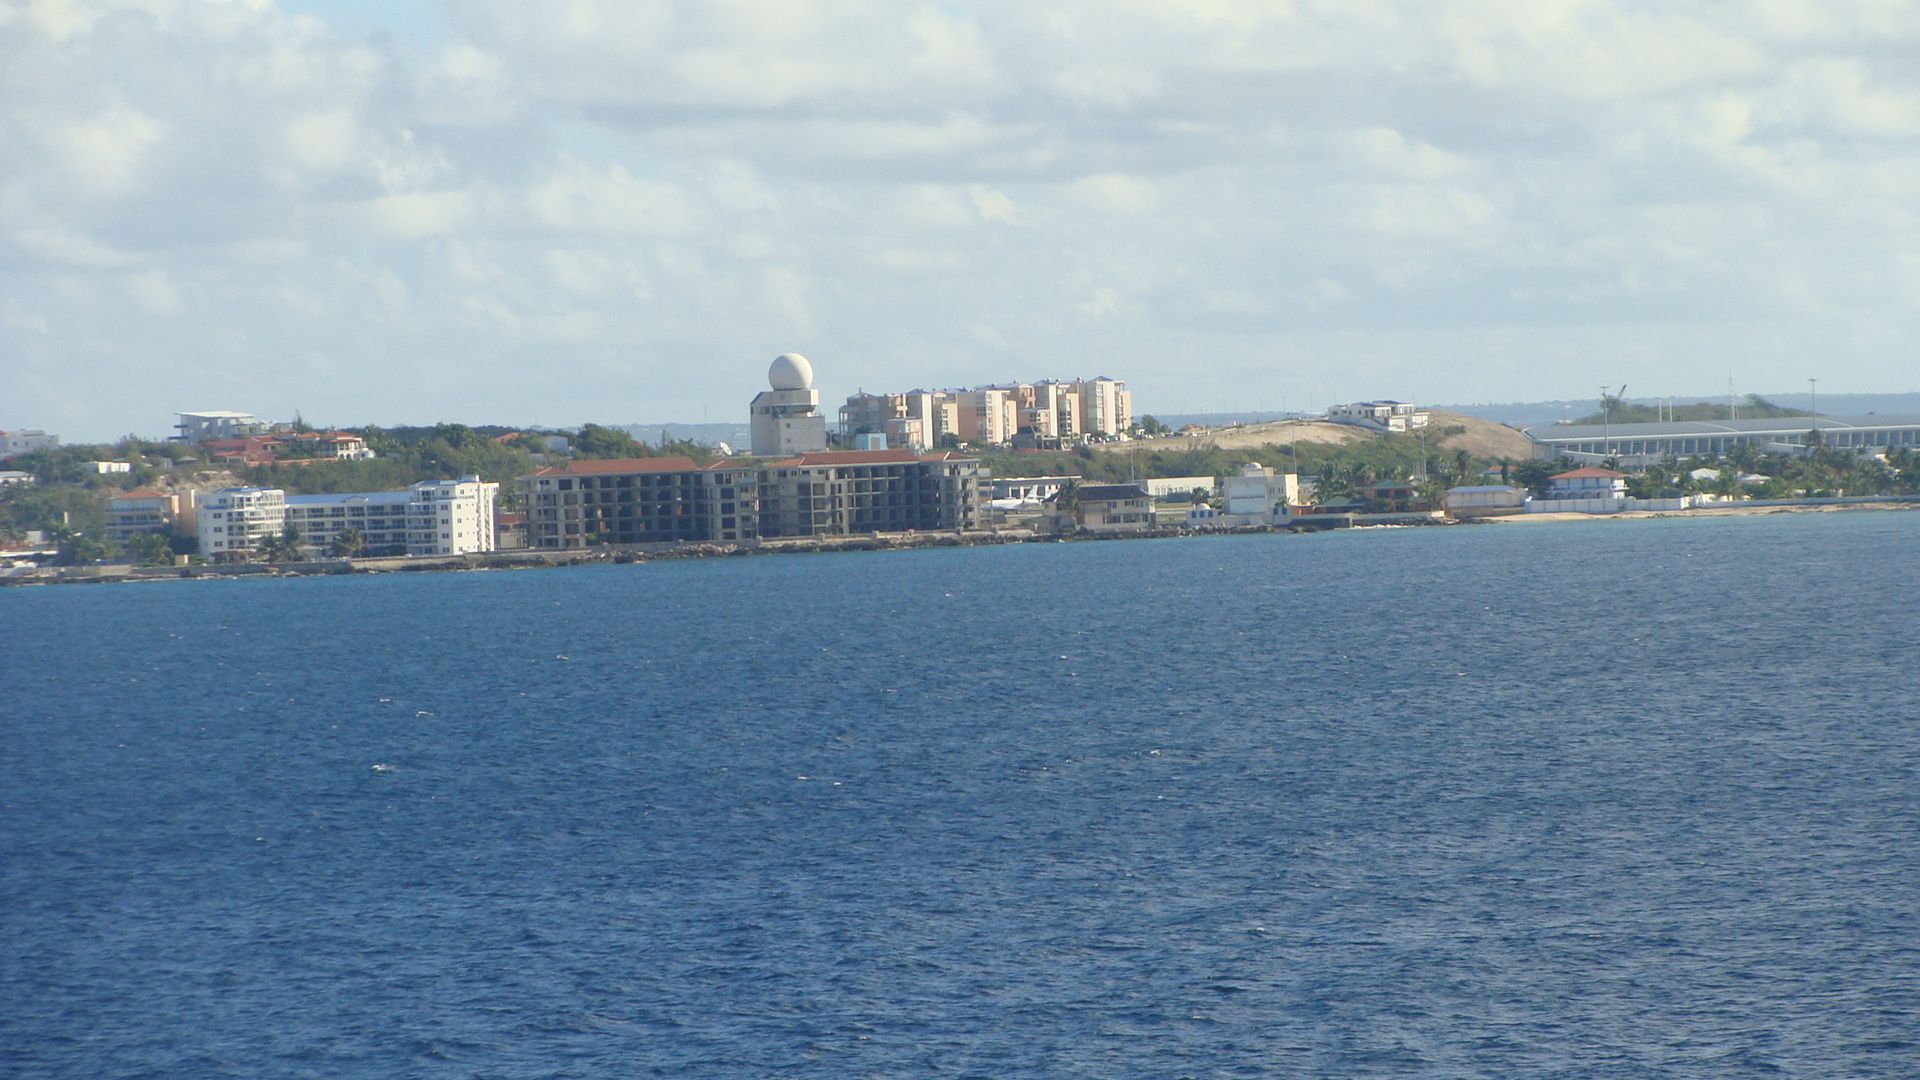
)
(433, 517)
(240, 520)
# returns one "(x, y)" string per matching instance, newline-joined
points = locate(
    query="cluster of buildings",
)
(1036, 416)
(244, 439)
(786, 418)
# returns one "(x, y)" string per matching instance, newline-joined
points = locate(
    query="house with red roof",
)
(1588, 482)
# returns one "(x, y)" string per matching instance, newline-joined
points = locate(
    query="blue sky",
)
(620, 211)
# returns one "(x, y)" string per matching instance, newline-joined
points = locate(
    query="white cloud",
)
(1196, 192)
(154, 293)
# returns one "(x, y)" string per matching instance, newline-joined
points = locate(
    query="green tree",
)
(1536, 476)
(80, 549)
(151, 549)
(349, 543)
(286, 546)
(595, 441)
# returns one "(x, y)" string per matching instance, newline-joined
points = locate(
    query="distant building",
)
(199, 427)
(1112, 507)
(15, 476)
(21, 442)
(239, 520)
(1162, 486)
(104, 467)
(1646, 444)
(1588, 482)
(1024, 488)
(825, 493)
(834, 493)
(786, 419)
(1037, 415)
(433, 517)
(248, 451)
(141, 511)
(1485, 499)
(1380, 415)
(1259, 490)
(317, 446)
(639, 501)
(509, 530)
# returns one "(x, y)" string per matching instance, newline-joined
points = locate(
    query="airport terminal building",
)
(1645, 444)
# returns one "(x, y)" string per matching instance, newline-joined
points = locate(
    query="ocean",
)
(1618, 799)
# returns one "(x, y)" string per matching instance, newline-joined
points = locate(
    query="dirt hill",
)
(1482, 438)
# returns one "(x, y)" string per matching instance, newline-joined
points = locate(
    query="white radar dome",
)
(790, 371)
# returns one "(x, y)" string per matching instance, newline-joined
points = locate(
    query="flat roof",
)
(620, 465)
(341, 498)
(1786, 425)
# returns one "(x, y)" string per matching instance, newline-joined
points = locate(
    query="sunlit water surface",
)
(1621, 799)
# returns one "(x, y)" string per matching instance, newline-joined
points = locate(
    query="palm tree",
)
(286, 546)
(349, 543)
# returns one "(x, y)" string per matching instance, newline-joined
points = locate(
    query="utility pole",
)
(1606, 423)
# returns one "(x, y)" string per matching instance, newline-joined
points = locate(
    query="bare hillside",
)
(1483, 438)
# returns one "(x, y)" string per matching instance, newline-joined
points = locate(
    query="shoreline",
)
(524, 559)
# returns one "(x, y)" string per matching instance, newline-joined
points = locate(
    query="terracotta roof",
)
(853, 457)
(620, 465)
(1585, 471)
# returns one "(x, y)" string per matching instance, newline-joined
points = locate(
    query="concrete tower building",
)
(786, 420)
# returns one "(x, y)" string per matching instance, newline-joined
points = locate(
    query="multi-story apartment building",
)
(992, 415)
(914, 420)
(640, 501)
(834, 493)
(989, 415)
(1106, 407)
(827, 493)
(239, 520)
(433, 517)
(142, 511)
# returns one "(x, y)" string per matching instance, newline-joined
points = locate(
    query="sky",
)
(619, 211)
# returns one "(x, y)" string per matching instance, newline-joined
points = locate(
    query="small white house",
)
(1588, 482)
(1258, 490)
(103, 467)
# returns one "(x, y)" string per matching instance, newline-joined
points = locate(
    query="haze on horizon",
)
(620, 211)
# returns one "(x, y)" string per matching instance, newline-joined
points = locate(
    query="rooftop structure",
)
(786, 418)
(21, 442)
(199, 427)
(1644, 444)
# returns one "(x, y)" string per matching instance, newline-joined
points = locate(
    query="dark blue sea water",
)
(1622, 799)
